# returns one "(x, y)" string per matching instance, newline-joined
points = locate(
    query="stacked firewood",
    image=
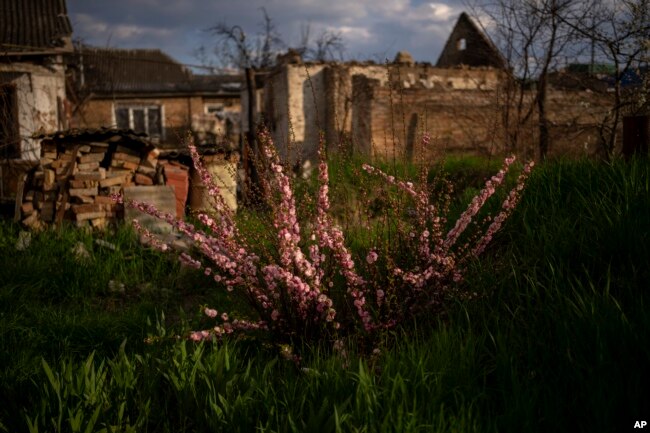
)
(75, 182)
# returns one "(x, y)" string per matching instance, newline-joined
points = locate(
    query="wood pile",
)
(77, 175)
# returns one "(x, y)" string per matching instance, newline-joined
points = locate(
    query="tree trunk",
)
(543, 118)
(249, 151)
(542, 89)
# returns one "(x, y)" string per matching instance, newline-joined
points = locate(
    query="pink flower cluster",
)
(292, 295)
(439, 264)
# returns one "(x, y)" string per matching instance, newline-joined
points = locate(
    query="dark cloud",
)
(370, 28)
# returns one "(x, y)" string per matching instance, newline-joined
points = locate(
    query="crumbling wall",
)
(40, 100)
(40, 95)
(383, 110)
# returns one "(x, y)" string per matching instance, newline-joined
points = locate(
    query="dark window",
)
(146, 119)
(139, 124)
(153, 122)
(9, 128)
(122, 118)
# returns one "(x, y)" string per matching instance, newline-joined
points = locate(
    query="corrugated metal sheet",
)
(115, 71)
(33, 25)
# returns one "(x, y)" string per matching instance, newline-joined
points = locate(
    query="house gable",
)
(468, 45)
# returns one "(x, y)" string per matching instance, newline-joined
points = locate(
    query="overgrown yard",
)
(548, 332)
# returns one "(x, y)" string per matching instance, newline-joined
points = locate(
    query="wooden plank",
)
(162, 197)
(126, 157)
(89, 215)
(76, 192)
(91, 157)
(60, 212)
(113, 181)
(19, 196)
(142, 179)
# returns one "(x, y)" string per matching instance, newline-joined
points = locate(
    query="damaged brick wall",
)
(383, 110)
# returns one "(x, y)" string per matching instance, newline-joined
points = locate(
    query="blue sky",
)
(371, 29)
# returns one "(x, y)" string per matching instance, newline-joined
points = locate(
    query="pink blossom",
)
(292, 287)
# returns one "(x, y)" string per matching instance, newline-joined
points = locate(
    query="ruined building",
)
(32, 82)
(465, 103)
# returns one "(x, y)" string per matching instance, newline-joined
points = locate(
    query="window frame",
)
(145, 108)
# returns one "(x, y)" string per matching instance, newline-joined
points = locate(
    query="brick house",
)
(382, 110)
(148, 91)
(32, 81)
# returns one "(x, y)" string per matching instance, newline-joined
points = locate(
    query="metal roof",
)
(34, 27)
(144, 71)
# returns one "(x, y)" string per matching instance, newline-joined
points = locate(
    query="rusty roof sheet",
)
(34, 26)
(115, 71)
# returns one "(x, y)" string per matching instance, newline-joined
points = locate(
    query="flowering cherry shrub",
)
(294, 294)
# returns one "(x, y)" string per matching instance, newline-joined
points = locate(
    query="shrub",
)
(311, 289)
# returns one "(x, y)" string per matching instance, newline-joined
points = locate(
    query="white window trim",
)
(144, 107)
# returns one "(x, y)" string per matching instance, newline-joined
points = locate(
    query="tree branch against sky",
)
(537, 37)
(618, 33)
(532, 39)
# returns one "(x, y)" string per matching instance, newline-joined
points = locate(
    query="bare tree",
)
(237, 49)
(234, 48)
(327, 46)
(531, 36)
(618, 33)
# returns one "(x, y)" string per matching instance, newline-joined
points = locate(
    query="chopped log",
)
(91, 175)
(124, 164)
(114, 181)
(27, 208)
(119, 156)
(91, 157)
(60, 163)
(86, 208)
(78, 192)
(141, 179)
(32, 221)
(83, 183)
(146, 170)
(104, 200)
(86, 199)
(88, 166)
(113, 172)
(49, 179)
(89, 215)
(19, 195)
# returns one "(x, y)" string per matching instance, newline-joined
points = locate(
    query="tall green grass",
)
(553, 338)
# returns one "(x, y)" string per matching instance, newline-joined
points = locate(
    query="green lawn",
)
(554, 339)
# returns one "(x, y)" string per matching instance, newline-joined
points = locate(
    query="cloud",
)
(178, 26)
(441, 11)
